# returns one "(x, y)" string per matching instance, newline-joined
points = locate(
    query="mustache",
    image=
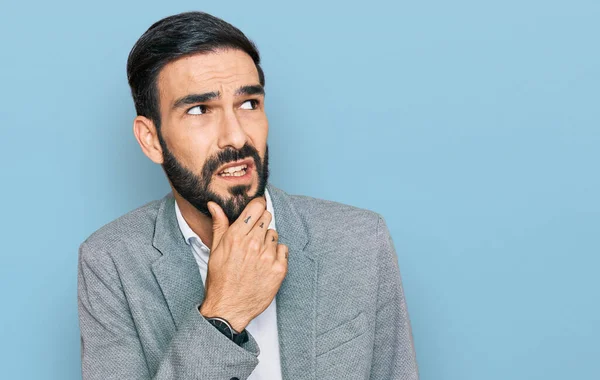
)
(229, 155)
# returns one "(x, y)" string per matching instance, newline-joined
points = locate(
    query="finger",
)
(220, 223)
(282, 254)
(271, 238)
(269, 250)
(262, 225)
(254, 209)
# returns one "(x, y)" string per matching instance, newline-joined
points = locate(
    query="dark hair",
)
(174, 37)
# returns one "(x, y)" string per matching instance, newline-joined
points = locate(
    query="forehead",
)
(224, 70)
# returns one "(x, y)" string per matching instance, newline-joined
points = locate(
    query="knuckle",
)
(273, 250)
(235, 238)
(267, 215)
(279, 268)
(254, 245)
(267, 249)
(259, 202)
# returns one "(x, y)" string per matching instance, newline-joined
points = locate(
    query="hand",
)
(246, 265)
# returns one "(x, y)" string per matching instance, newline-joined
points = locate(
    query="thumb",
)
(220, 223)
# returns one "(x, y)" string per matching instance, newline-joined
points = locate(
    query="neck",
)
(201, 224)
(198, 222)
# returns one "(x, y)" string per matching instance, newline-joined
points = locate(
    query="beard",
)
(196, 188)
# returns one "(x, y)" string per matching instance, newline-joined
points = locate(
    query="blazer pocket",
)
(341, 334)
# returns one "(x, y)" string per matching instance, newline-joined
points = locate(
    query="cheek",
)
(193, 154)
(257, 133)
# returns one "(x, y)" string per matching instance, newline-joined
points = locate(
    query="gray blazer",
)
(341, 312)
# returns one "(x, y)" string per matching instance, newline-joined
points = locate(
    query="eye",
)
(249, 104)
(197, 110)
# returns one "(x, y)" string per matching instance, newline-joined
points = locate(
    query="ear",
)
(147, 136)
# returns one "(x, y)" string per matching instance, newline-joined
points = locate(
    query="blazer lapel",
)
(296, 299)
(176, 270)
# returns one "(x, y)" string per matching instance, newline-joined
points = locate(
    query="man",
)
(229, 277)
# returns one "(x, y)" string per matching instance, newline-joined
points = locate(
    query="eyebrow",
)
(196, 98)
(207, 96)
(250, 90)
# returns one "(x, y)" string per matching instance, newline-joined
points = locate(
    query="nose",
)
(231, 131)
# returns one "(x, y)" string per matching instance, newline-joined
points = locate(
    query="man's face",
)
(213, 118)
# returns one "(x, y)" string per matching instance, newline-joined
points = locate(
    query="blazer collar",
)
(176, 270)
(179, 278)
(290, 227)
(296, 300)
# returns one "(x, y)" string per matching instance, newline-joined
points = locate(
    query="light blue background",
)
(472, 126)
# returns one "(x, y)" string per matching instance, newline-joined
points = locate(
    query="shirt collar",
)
(190, 235)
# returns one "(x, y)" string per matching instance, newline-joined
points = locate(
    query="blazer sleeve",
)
(111, 348)
(393, 354)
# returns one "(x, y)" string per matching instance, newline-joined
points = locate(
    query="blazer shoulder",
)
(330, 222)
(312, 207)
(134, 225)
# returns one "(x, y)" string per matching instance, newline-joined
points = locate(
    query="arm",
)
(110, 346)
(393, 353)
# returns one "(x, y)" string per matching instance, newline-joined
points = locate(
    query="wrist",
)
(237, 322)
(225, 328)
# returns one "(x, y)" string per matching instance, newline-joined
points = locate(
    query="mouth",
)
(239, 171)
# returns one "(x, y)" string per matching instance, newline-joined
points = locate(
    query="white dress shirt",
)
(264, 327)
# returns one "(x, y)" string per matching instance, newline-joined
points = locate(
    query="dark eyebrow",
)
(196, 98)
(202, 98)
(250, 90)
